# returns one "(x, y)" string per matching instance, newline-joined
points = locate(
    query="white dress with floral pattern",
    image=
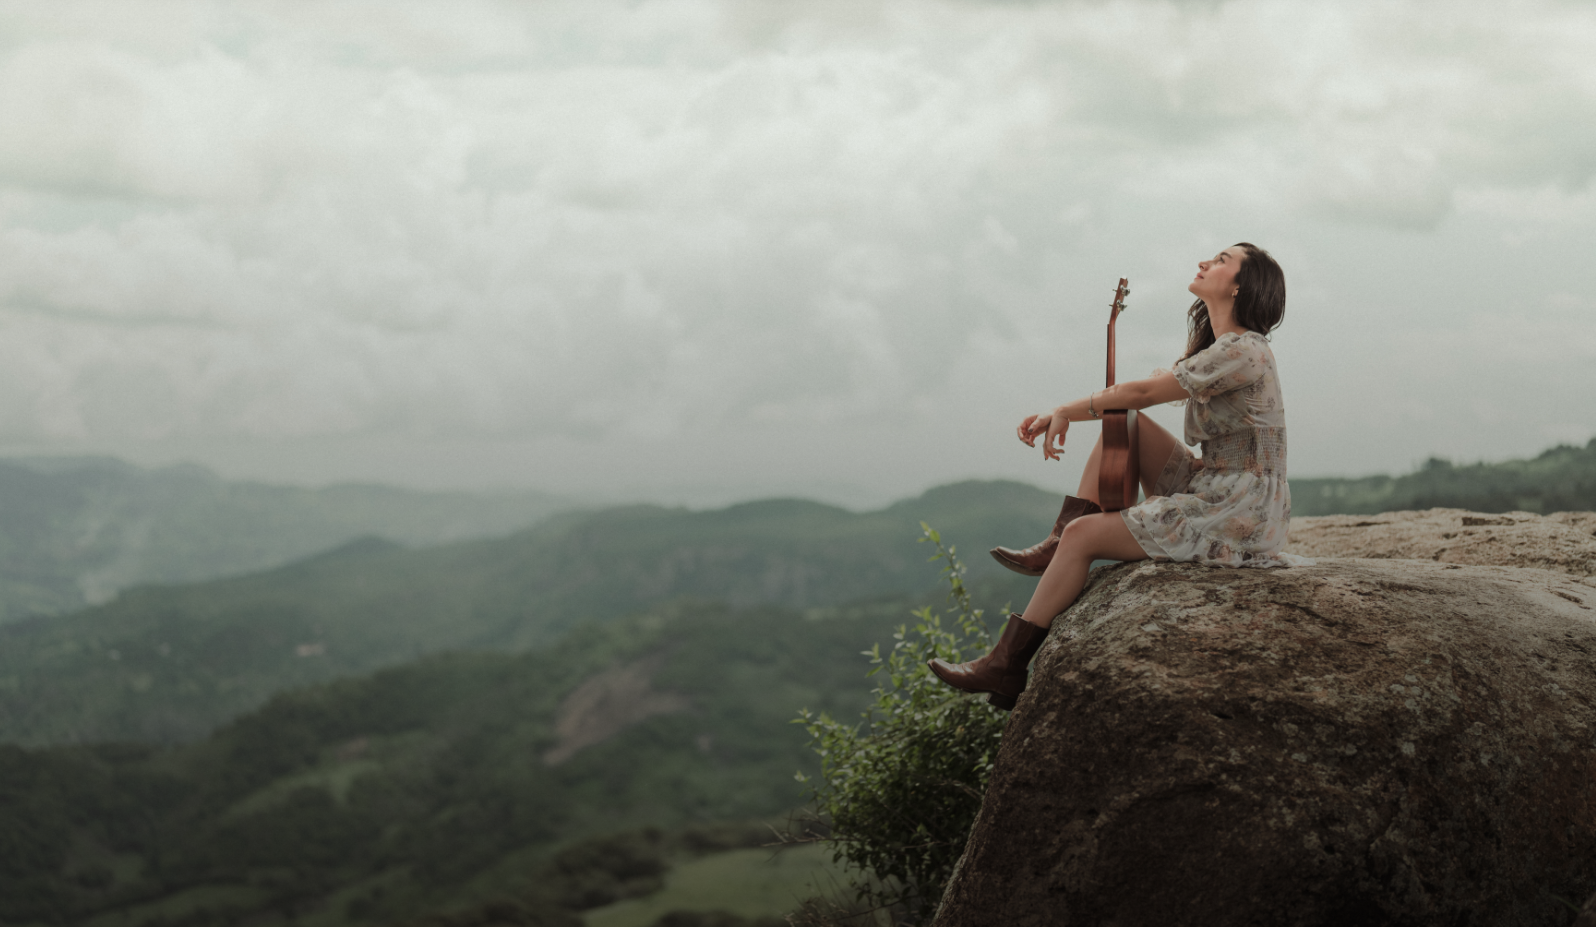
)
(1233, 507)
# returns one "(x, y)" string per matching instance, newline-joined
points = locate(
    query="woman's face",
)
(1216, 277)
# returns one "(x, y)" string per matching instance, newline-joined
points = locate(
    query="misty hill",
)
(1561, 479)
(166, 664)
(443, 782)
(75, 531)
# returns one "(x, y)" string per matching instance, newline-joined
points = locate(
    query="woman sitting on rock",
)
(1230, 508)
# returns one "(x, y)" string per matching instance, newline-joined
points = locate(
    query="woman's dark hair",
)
(1260, 300)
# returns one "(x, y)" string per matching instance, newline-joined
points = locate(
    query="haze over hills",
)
(169, 663)
(443, 783)
(75, 531)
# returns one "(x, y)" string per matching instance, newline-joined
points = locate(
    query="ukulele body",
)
(1119, 465)
(1118, 475)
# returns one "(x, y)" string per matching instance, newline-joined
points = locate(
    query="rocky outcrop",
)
(1563, 542)
(1364, 741)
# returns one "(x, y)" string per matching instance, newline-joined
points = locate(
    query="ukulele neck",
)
(1110, 381)
(1114, 310)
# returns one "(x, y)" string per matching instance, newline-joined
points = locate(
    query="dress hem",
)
(1156, 552)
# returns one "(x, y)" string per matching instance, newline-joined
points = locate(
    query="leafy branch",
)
(901, 788)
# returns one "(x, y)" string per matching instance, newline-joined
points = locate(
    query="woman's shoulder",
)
(1233, 344)
(1249, 336)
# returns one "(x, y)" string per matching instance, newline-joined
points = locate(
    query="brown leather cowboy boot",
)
(1001, 672)
(1033, 560)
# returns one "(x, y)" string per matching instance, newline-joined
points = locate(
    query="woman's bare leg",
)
(1097, 537)
(1088, 538)
(1155, 445)
(1094, 460)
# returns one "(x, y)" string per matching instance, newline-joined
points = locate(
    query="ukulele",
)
(1118, 470)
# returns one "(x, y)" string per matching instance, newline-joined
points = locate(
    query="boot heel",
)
(999, 700)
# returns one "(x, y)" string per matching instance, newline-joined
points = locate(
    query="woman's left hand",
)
(1053, 445)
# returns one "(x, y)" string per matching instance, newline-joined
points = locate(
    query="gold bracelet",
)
(1089, 410)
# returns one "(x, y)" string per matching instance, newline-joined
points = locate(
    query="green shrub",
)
(901, 788)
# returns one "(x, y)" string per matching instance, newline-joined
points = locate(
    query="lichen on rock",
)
(1363, 741)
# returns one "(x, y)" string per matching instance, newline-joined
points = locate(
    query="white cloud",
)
(678, 219)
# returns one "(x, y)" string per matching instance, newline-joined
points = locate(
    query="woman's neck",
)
(1222, 318)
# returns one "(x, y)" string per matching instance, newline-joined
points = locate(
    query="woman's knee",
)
(1099, 537)
(1083, 534)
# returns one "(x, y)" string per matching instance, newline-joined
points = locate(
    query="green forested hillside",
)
(165, 664)
(1561, 479)
(74, 531)
(444, 784)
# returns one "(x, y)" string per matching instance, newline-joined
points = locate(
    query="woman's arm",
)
(1135, 394)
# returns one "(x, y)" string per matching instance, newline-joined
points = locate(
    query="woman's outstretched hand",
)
(1049, 423)
(1031, 426)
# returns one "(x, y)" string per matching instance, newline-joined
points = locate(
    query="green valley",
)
(169, 663)
(570, 777)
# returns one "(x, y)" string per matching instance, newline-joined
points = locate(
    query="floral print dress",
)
(1232, 507)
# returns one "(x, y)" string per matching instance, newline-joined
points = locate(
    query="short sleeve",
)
(1228, 364)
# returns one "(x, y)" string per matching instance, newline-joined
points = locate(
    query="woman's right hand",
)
(1033, 425)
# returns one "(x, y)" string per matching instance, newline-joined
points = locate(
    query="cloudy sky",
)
(700, 251)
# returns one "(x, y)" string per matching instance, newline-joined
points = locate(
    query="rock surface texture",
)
(1384, 738)
(1587, 914)
(1561, 542)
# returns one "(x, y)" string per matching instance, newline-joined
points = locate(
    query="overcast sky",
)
(701, 251)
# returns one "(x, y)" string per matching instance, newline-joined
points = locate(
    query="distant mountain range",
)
(76, 531)
(1561, 479)
(170, 663)
(167, 663)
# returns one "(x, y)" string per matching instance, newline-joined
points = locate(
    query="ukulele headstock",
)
(1118, 306)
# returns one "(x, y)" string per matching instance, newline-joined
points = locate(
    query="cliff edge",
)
(1404, 733)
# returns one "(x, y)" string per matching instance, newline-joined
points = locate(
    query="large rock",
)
(1364, 741)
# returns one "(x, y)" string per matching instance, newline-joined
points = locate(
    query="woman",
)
(1231, 508)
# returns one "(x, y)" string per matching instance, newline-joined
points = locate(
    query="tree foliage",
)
(901, 788)
(1560, 479)
(424, 788)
